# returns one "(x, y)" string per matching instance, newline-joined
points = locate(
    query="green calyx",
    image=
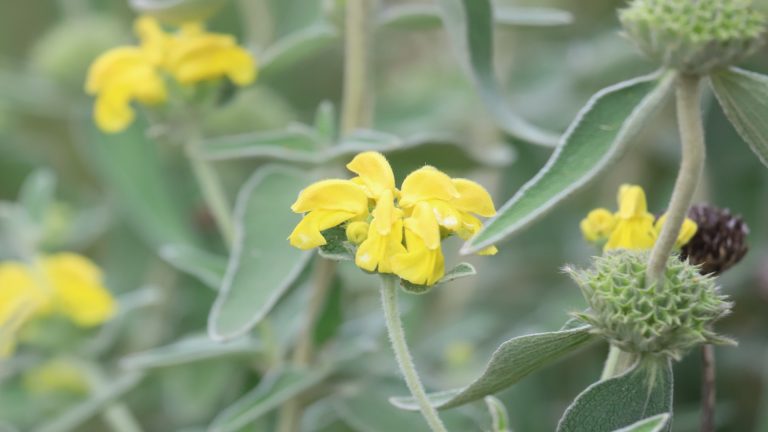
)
(666, 318)
(694, 36)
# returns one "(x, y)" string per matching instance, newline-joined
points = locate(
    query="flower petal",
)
(419, 265)
(80, 293)
(377, 250)
(632, 234)
(598, 225)
(427, 183)
(374, 171)
(308, 232)
(334, 194)
(423, 223)
(632, 202)
(687, 231)
(385, 213)
(473, 198)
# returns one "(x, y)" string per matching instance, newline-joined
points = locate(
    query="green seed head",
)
(666, 318)
(694, 36)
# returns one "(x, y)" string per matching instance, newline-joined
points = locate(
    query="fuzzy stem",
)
(403, 355)
(356, 103)
(616, 363)
(257, 23)
(213, 193)
(688, 98)
(117, 415)
(708, 388)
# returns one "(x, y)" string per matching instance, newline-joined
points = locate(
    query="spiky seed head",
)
(694, 36)
(663, 319)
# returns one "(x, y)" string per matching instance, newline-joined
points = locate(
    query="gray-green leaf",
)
(513, 360)
(470, 25)
(657, 423)
(37, 194)
(296, 47)
(207, 267)
(177, 11)
(596, 138)
(263, 264)
(499, 415)
(606, 406)
(189, 350)
(744, 98)
(417, 16)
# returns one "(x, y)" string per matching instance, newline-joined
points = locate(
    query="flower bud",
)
(357, 232)
(692, 36)
(666, 318)
(720, 242)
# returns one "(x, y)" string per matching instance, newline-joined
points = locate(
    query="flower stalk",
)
(688, 99)
(403, 355)
(213, 193)
(616, 363)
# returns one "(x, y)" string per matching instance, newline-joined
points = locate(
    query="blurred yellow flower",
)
(63, 284)
(56, 376)
(687, 231)
(128, 74)
(632, 227)
(397, 232)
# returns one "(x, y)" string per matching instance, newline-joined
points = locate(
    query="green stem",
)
(616, 363)
(688, 98)
(257, 23)
(116, 415)
(403, 355)
(213, 193)
(356, 103)
(708, 388)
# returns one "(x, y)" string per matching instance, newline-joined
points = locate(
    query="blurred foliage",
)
(548, 74)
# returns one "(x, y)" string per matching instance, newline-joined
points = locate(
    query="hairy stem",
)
(708, 388)
(116, 415)
(616, 363)
(214, 194)
(403, 355)
(356, 103)
(693, 153)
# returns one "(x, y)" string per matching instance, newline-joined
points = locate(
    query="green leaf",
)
(75, 417)
(274, 390)
(531, 16)
(744, 98)
(190, 350)
(419, 16)
(657, 423)
(263, 265)
(499, 416)
(337, 247)
(37, 194)
(177, 11)
(207, 267)
(461, 270)
(297, 46)
(643, 391)
(596, 138)
(470, 25)
(325, 122)
(512, 361)
(129, 164)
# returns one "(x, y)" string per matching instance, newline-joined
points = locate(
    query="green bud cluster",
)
(694, 36)
(666, 318)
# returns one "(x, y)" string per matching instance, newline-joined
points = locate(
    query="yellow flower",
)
(65, 284)
(56, 376)
(402, 233)
(598, 225)
(632, 227)
(687, 231)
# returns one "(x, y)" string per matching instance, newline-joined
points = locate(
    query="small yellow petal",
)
(385, 212)
(423, 223)
(374, 171)
(80, 293)
(357, 231)
(632, 202)
(632, 234)
(598, 225)
(334, 194)
(687, 230)
(473, 198)
(112, 112)
(419, 265)
(20, 300)
(376, 252)
(308, 232)
(110, 64)
(425, 184)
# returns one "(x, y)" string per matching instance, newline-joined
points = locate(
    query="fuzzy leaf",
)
(418, 16)
(596, 138)
(744, 98)
(263, 265)
(205, 266)
(657, 423)
(189, 350)
(295, 47)
(513, 360)
(643, 391)
(337, 248)
(177, 11)
(37, 194)
(461, 270)
(499, 415)
(470, 25)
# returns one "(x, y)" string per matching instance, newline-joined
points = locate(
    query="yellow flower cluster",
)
(137, 73)
(397, 231)
(632, 227)
(63, 284)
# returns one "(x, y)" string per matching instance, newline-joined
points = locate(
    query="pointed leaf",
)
(597, 137)
(262, 265)
(470, 25)
(605, 406)
(657, 423)
(295, 47)
(205, 266)
(744, 98)
(189, 350)
(513, 360)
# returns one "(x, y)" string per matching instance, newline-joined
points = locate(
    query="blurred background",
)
(420, 87)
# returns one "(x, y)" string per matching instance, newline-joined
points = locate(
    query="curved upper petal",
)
(427, 183)
(111, 64)
(333, 194)
(632, 202)
(308, 232)
(473, 198)
(374, 172)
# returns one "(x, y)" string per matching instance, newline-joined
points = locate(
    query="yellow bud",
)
(357, 232)
(598, 224)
